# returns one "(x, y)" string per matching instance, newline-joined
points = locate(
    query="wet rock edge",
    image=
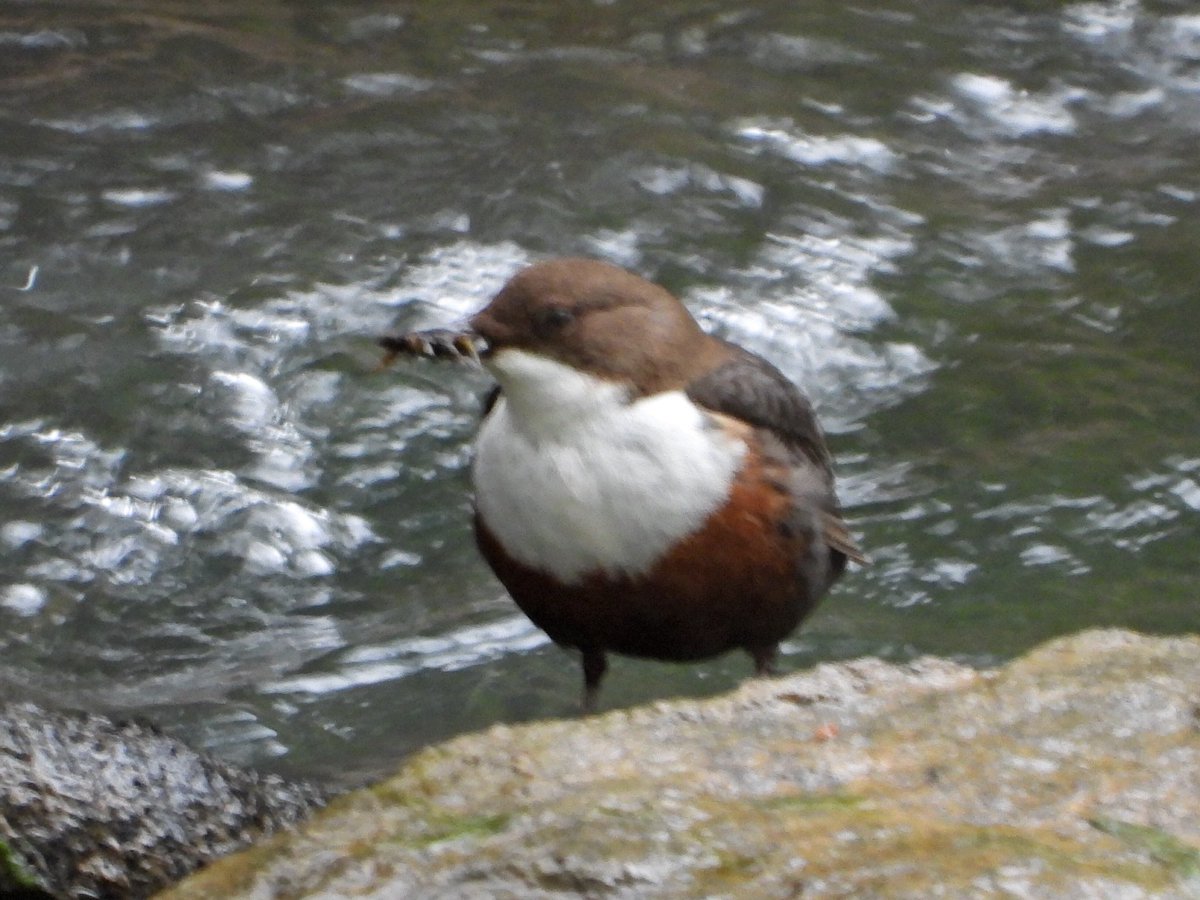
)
(93, 807)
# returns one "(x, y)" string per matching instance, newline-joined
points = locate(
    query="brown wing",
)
(749, 388)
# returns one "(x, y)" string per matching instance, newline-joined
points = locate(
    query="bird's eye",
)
(554, 318)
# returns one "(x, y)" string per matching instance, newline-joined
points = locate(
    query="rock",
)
(95, 808)
(1072, 772)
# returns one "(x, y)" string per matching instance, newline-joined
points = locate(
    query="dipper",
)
(642, 487)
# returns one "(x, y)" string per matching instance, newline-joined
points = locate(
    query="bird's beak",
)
(490, 334)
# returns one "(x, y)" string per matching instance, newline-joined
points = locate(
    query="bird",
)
(642, 487)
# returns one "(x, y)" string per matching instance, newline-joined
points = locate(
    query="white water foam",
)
(782, 136)
(813, 297)
(457, 649)
(1014, 111)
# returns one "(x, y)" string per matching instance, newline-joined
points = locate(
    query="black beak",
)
(491, 333)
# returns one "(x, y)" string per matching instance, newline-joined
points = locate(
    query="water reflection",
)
(965, 230)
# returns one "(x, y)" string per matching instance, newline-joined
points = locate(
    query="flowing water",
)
(969, 230)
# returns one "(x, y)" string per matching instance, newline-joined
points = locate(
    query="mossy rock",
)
(1074, 771)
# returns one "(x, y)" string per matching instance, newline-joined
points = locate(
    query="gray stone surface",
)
(90, 807)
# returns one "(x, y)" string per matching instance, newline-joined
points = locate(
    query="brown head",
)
(600, 319)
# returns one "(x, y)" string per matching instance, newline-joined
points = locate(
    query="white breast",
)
(573, 478)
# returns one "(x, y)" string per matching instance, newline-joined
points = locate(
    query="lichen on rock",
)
(1073, 771)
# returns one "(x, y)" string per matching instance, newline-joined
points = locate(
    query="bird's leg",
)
(595, 664)
(764, 660)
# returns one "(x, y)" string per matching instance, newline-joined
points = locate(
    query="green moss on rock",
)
(1074, 771)
(1163, 847)
(16, 882)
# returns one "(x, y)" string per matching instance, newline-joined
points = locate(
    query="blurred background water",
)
(969, 230)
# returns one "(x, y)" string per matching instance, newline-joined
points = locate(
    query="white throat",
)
(549, 397)
(573, 477)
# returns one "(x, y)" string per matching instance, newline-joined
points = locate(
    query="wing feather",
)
(749, 388)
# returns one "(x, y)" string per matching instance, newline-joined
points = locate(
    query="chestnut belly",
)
(745, 579)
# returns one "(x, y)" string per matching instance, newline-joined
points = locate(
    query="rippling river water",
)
(968, 229)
